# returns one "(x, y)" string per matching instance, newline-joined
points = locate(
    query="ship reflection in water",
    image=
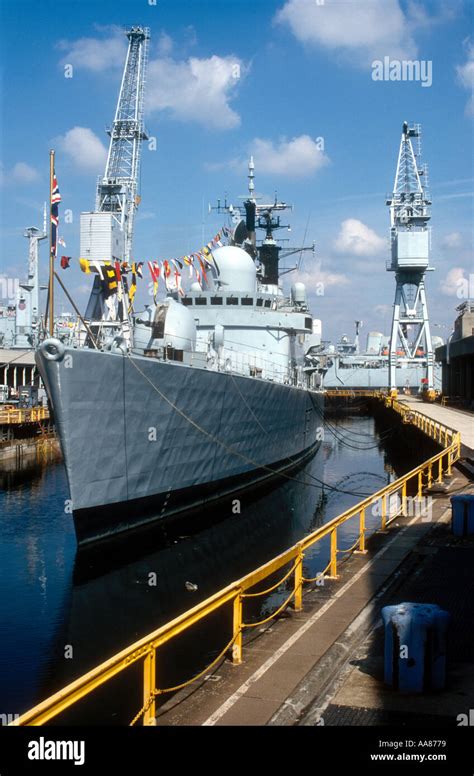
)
(100, 600)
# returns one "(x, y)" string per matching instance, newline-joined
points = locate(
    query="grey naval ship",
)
(196, 397)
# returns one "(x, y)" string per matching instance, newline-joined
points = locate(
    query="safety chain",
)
(143, 709)
(318, 576)
(273, 614)
(350, 549)
(273, 587)
(162, 691)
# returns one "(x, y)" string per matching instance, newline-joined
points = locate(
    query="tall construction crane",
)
(410, 247)
(107, 232)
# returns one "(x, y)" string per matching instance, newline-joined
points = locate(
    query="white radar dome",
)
(298, 293)
(236, 270)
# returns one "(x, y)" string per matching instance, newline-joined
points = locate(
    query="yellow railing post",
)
(430, 475)
(440, 469)
(420, 484)
(404, 498)
(333, 566)
(384, 513)
(362, 532)
(149, 682)
(298, 601)
(237, 630)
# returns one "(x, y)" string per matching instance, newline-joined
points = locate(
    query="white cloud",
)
(96, 54)
(365, 30)
(145, 215)
(298, 157)
(466, 72)
(302, 156)
(165, 44)
(333, 279)
(24, 173)
(454, 282)
(452, 240)
(197, 90)
(190, 35)
(367, 266)
(465, 75)
(318, 276)
(358, 239)
(382, 310)
(84, 148)
(459, 195)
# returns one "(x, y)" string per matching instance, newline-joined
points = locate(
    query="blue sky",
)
(305, 73)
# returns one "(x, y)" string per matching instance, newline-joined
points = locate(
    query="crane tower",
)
(409, 204)
(107, 232)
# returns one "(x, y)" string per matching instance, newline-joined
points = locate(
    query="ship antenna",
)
(251, 177)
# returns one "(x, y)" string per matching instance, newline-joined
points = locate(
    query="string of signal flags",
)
(113, 273)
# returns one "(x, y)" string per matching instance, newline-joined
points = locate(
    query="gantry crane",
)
(409, 204)
(107, 232)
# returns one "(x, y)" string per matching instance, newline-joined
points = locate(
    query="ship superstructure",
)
(219, 391)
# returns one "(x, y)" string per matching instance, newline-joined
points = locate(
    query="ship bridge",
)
(243, 327)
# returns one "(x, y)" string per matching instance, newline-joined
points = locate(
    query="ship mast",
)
(260, 216)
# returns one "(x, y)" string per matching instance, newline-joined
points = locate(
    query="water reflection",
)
(57, 601)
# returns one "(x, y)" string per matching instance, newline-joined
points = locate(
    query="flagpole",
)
(51, 254)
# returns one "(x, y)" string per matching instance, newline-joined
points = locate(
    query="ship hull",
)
(144, 440)
(377, 378)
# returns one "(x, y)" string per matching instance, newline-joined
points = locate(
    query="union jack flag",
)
(55, 200)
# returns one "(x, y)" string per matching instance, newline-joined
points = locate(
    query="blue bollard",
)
(470, 512)
(462, 519)
(415, 647)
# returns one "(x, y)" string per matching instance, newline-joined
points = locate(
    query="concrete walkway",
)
(460, 420)
(439, 567)
(292, 663)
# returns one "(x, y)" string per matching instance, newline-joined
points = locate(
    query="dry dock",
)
(318, 658)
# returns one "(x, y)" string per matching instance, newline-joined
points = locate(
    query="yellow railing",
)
(352, 392)
(431, 427)
(388, 503)
(16, 415)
